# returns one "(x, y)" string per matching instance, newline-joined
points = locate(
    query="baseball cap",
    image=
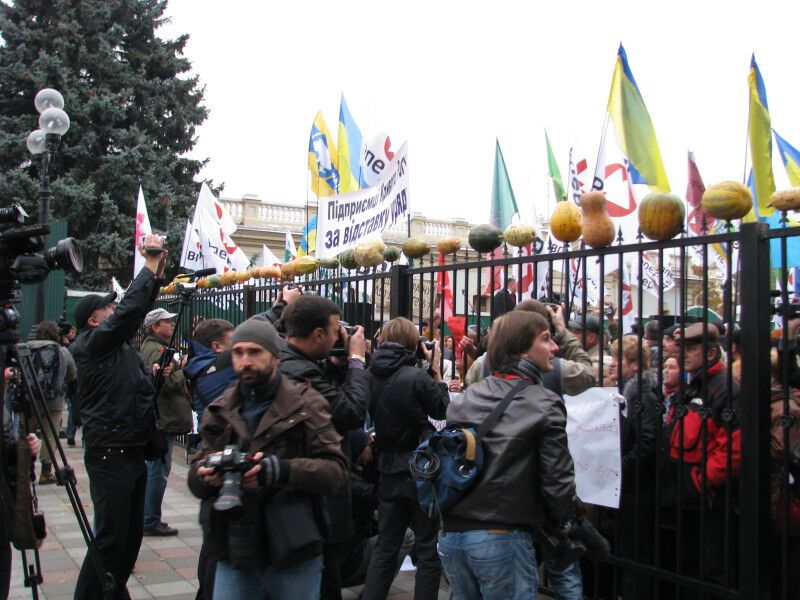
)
(90, 303)
(156, 315)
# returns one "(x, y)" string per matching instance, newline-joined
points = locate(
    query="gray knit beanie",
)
(258, 331)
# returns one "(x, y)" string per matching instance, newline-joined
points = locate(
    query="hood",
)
(389, 357)
(649, 384)
(33, 344)
(200, 359)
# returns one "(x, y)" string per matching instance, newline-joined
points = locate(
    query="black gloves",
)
(273, 470)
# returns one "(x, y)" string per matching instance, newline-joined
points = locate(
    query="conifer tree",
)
(134, 108)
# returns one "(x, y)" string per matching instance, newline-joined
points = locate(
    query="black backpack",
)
(47, 364)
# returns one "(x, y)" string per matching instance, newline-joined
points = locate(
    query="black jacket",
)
(504, 301)
(402, 398)
(528, 474)
(114, 385)
(639, 427)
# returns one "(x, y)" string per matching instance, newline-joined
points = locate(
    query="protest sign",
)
(346, 219)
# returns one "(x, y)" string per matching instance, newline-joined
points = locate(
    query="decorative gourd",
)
(661, 216)
(369, 253)
(785, 199)
(329, 263)
(227, 278)
(566, 223)
(305, 265)
(391, 254)
(273, 272)
(519, 235)
(255, 272)
(727, 200)
(242, 276)
(214, 281)
(484, 238)
(287, 270)
(448, 245)
(415, 248)
(348, 260)
(598, 228)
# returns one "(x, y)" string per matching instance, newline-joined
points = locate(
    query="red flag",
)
(443, 289)
(694, 195)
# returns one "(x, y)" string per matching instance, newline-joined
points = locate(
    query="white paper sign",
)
(346, 219)
(593, 435)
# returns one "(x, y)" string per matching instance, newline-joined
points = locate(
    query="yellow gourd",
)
(598, 228)
(727, 200)
(565, 222)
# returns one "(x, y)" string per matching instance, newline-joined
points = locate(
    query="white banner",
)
(142, 231)
(593, 435)
(375, 156)
(347, 219)
(650, 277)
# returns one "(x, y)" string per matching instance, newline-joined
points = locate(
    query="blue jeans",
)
(71, 428)
(489, 566)
(300, 582)
(157, 475)
(567, 584)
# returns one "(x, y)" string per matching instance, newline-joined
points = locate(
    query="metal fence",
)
(705, 512)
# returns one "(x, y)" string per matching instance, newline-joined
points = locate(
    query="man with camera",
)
(319, 350)
(116, 407)
(259, 511)
(174, 414)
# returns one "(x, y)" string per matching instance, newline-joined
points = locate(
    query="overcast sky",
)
(450, 77)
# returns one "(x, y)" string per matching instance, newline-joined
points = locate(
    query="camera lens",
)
(65, 255)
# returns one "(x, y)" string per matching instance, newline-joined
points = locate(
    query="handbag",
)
(446, 465)
(293, 535)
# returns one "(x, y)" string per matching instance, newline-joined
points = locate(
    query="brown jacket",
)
(297, 428)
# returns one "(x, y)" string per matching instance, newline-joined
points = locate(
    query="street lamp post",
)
(43, 142)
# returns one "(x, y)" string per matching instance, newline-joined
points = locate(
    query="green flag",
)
(504, 206)
(555, 174)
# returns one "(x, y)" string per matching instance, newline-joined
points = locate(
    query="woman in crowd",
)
(639, 427)
(670, 382)
(403, 398)
(486, 544)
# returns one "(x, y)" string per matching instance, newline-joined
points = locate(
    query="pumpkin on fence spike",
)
(661, 216)
(519, 235)
(348, 260)
(727, 200)
(329, 263)
(566, 223)
(785, 199)
(369, 253)
(287, 271)
(273, 272)
(415, 248)
(391, 254)
(448, 245)
(598, 228)
(485, 238)
(305, 265)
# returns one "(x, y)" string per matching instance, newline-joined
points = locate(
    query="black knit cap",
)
(257, 331)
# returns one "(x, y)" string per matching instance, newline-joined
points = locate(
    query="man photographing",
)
(116, 406)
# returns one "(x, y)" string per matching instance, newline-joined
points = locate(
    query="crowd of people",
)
(306, 429)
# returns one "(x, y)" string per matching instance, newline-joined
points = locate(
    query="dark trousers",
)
(117, 479)
(206, 572)
(5, 570)
(398, 508)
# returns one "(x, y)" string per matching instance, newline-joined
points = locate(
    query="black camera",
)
(426, 342)
(792, 308)
(339, 349)
(231, 462)
(572, 539)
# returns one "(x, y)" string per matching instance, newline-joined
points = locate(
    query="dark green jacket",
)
(174, 409)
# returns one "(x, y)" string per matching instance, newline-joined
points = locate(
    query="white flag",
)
(289, 250)
(142, 230)
(207, 202)
(116, 287)
(268, 259)
(626, 310)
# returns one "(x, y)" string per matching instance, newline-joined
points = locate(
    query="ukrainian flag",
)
(349, 151)
(308, 243)
(791, 159)
(634, 128)
(323, 162)
(760, 135)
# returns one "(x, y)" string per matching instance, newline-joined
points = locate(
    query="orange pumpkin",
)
(598, 228)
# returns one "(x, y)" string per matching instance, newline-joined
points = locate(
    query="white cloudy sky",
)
(450, 77)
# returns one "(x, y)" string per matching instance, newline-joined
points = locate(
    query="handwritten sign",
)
(593, 435)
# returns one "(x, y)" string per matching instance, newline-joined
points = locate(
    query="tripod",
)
(32, 404)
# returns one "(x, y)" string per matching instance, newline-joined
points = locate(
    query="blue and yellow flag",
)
(323, 161)
(349, 151)
(308, 243)
(791, 159)
(634, 128)
(760, 136)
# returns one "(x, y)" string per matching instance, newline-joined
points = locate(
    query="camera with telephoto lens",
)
(339, 349)
(231, 462)
(572, 539)
(25, 259)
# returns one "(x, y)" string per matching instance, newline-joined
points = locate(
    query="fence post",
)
(249, 302)
(400, 296)
(754, 282)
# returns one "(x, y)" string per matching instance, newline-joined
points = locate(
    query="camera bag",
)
(28, 528)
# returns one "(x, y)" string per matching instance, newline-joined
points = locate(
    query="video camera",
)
(792, 307)
(24, 258)
(231, 462)
(339, 349)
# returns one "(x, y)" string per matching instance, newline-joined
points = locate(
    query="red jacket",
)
(694, 413)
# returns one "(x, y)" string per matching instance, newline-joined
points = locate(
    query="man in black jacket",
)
(505, 299)
(116, 392)
(312, 329)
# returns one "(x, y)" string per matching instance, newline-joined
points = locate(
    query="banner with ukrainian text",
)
(347, 219)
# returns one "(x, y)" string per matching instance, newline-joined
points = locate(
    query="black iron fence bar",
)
(754, 555)
(781, 232)
(683, 582)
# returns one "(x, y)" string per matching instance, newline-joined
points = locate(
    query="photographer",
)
(313, 330)
(272, 547)
(116, 407)
(403, 397)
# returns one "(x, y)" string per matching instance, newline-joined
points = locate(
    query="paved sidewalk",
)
(167, 567)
